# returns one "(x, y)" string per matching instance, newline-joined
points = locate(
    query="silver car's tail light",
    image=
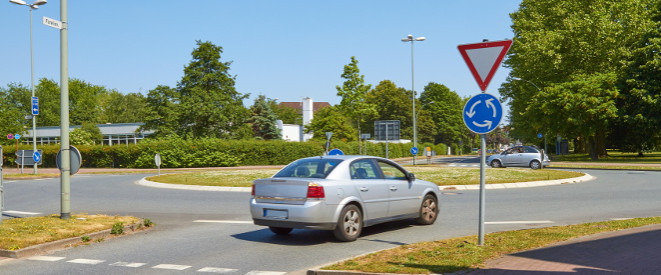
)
(315, 191)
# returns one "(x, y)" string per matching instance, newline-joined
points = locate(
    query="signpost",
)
(157, 160)
(483, 112)
(52, 22)
(75, 160)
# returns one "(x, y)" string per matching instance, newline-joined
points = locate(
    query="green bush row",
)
(177, 153)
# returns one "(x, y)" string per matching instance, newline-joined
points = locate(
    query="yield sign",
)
(483, 59)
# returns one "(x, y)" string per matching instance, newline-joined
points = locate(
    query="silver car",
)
(523, 156)
(342, 194)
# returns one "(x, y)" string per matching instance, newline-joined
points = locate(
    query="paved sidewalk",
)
(631, 251)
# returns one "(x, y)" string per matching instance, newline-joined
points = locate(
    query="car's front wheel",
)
(535, 164)
(349, 225)
(428, 210)
(496, 164)
(280, 230)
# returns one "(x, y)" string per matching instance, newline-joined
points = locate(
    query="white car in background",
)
(522, 156)
(342, 194)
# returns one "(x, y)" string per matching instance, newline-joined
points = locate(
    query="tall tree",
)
(330, 119)
(164, 111)
(639, 105)
(83, 101)
(263, 119)
(116, 107)
(392, 103)
(287, 114)
(570, 45)
(210, 104)
(354, 94)
(445, 107)
(12, 115)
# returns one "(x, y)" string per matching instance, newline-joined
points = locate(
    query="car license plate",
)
(275, 214)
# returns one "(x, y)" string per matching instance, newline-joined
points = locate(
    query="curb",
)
(65, 243)
(586, 177)
(154, 184)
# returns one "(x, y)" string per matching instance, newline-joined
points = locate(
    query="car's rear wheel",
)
(428, 210)
(535, 164)
(496, 164)
(349, 225)
(280, 230)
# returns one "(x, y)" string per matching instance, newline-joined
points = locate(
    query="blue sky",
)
(282, 49)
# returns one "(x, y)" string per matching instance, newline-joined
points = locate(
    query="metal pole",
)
(386, 139)
(64, 115)
(415, 130)
(2, 193)
(483, 159)
(34, 119)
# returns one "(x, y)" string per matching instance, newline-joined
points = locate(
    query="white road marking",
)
(19, 212)
(172, 266)
(217, 270)
(223, 221)
(518, 222)
(127, 264)
(265, 273)
(85, 261)
(620, 219)
(46, 258)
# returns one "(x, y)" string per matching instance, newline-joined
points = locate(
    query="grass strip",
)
(452, 255)
(20, 233)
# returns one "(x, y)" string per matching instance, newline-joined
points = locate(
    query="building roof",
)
(116, 129)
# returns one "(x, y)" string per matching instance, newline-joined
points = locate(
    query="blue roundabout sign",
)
(482, 113)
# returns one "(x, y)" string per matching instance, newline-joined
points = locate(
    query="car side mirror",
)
(411, 177)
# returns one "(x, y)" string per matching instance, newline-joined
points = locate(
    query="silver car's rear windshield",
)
(309, 168)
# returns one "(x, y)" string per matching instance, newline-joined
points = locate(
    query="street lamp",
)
(35, 5)
(410, 38)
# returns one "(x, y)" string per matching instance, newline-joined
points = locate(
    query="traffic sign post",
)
(483, 112)
(2, 193)
(157, 160)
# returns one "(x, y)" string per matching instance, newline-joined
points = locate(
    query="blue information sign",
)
(414, 150)
(482, 113)
(35, 105)
(36, 156)
(17, 136)
(335, 152)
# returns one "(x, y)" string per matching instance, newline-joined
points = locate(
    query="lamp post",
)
(410, 38)
(35, 5)
(539, 90)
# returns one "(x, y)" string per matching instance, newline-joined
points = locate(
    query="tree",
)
(639, 104)
(354, 94)
(163, 112)
(392, 103)
(263, 119)
(445, 107)
(571, 45)
(288, 115)
(48, 92)
(94, 132)
(83, 101)
(210, 104)
(11, 115)
(116, 107)
(330, 119)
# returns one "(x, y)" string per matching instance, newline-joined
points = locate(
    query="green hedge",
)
(176, 152)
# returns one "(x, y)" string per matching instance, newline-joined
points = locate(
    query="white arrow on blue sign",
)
(414, 150)
(35, 105)
(482, 113)
(36, 156)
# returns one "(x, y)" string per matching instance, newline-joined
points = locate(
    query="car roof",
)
(345, 157)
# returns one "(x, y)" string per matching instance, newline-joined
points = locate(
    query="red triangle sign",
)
(483, 59)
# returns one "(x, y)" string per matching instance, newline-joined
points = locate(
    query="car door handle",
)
(364, 189)
(393, 188)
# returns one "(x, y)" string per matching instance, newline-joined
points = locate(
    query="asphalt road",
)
(202, 231)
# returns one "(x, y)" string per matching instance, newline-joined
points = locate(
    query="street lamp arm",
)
(516, 78)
